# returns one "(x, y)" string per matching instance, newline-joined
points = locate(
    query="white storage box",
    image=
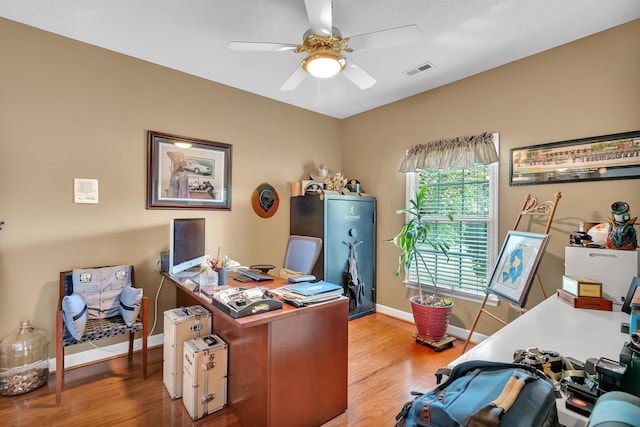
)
(205, 376)
(180, 325)
(614, 268)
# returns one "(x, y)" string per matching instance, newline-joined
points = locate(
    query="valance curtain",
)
(460, 152)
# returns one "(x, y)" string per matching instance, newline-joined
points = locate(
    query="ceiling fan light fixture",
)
(324, 64)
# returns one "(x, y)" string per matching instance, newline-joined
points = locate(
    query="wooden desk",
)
(286, 367)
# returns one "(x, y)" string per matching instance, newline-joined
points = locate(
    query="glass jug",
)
(24, 361)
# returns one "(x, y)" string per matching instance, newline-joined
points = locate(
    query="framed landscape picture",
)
(615, 156)
(187, 173)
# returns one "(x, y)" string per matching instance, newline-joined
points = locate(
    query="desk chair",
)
(302, 253)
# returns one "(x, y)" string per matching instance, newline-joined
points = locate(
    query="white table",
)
(556, 326)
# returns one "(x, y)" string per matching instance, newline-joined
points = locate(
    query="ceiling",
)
(458, 38)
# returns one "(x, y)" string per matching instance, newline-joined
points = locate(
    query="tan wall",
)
(586, 88)
(69, 110)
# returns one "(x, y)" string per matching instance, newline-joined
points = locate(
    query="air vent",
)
(415, 70)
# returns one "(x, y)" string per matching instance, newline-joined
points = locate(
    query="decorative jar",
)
(24, 361)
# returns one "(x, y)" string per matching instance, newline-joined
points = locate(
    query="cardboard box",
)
(581, 286)
(591, 303)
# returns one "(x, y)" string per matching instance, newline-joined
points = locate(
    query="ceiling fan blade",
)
(319, 13)
(261, 47)
(358, 76)
(399, 36)
(296, 78)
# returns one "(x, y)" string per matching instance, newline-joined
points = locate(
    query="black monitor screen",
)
(188, 240)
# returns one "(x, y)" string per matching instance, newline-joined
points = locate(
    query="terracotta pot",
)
(431, 321)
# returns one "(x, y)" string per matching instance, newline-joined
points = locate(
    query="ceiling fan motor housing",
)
(314, 43)
(324, 59)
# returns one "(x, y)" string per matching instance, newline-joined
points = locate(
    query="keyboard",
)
(255, 275)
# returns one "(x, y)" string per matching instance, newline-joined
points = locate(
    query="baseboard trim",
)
(116, 350)
(104, 353)
(451, 330)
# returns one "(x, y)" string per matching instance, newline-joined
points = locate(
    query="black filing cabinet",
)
(341, 221)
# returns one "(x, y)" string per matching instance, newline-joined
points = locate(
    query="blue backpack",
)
(485, 394)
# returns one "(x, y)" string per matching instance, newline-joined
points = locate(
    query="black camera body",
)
(579, 238)
(540, 359)
(630, 357)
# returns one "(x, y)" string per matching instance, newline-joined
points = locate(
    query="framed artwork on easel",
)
(517, 264)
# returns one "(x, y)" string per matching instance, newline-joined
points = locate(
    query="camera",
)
(579, 238)
(540, 359)
(630, 357)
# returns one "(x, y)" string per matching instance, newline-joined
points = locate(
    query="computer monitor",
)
(186, 244)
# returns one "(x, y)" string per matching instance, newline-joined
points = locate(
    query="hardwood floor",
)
(385, 365)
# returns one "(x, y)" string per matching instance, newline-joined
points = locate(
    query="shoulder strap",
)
(486, 365)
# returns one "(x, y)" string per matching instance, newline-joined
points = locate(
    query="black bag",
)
(354, 283)
(485, 394)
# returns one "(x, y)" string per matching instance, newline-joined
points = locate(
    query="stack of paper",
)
(308, 293)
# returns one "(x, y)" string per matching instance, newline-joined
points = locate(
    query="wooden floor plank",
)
(385, 365)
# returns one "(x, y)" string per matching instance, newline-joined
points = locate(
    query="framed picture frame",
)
(615, 156)
(187, 173)
(633, 294)
(517, 264)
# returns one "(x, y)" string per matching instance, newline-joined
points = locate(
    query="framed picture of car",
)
(187, 173)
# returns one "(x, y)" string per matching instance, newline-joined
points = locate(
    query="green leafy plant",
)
(413, 233)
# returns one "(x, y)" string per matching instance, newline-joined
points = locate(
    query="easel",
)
(530, 207)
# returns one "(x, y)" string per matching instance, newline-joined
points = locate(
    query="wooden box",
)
(592, 303)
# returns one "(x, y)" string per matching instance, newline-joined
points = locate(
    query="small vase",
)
(222, 276)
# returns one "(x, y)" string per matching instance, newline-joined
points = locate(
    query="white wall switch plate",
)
(85, 190)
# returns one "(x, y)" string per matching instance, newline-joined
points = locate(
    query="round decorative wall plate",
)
(265, 200)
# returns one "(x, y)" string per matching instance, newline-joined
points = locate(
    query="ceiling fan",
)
(324, 46)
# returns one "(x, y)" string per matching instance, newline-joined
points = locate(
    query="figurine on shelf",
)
(336, 182)
(622, 233)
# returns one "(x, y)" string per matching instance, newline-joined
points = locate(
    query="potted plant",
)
(431, 312)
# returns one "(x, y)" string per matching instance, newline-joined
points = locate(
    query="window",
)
(469, 196)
